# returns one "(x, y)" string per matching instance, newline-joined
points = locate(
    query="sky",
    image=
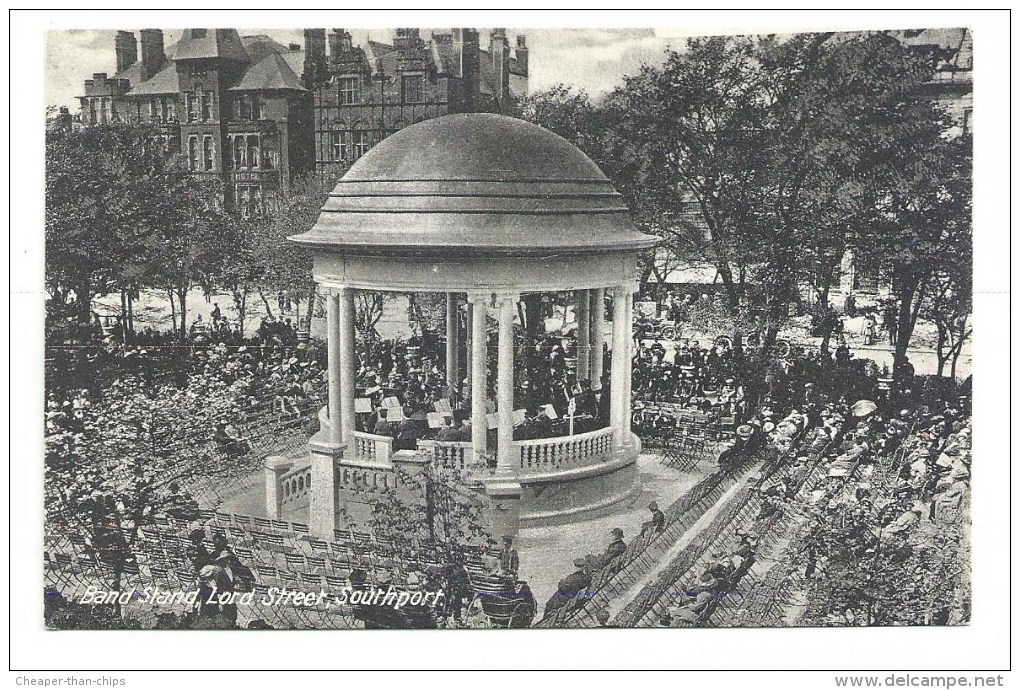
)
(591, 59)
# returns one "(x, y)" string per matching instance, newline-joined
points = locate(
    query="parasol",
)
(862, 408)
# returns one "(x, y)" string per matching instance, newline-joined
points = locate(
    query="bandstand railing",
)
(451, 454)
(371, 447)
(543, 455)
(295, 486)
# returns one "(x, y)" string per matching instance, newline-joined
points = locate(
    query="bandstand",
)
(483, 208)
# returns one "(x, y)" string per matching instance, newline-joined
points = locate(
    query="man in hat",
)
(196, 552)
(617, 547)
(691, 612)
(569, 587)
(509, 561)
(407, 431)
(657, 524)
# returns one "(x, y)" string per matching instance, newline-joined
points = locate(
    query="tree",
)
(431, 504)
(101, 183)
(241, 267)
(369, 307)
(949, 302)
(924, 227)
(188, 240)
(287, 267)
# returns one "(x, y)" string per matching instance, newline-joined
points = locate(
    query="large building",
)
(254, 114)
(365, 93)
(235, 109)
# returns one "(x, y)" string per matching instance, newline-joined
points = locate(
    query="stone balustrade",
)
(540, 456)
(450, 454)
(288, 484)
(371, 447)
(364, 446)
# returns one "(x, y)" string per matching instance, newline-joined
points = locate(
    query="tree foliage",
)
(771, 156)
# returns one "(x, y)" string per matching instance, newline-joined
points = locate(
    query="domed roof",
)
(475, 183)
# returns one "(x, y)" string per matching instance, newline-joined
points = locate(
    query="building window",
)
(249, 107)
(207, 111)
(192, 106)
(348, 90)
(193, 153)
(240, 155)
(361, 142)
(207, 152)
(412, 88)
(338, 145)
(246, 152)
(169, 110)
(243, 110)
(253, 151)
(249, 200)
(93, 117)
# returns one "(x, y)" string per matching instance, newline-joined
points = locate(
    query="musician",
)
(585, 401)
(449, 432)
(382, 427)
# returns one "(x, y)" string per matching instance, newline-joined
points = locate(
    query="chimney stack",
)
(315, 55)
(465, 49)
(126, 48)
(499, 49)
(153, 54)
(521, 55)
(340, 43)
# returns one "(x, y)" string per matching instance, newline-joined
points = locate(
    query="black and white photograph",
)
(557, 328)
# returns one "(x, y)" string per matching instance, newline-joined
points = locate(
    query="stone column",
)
(333, 363)
(505, 460)
(478, 375)
(348, 364)
(452, 345)
(582, 300)
(629, 356)
(468, 350)
(598, 326)
(621, 340)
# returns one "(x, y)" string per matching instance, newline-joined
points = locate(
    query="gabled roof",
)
(165, 81)
(133, 73)
(211, 43)
(260, 46)
(272, 72)
(295, 60)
